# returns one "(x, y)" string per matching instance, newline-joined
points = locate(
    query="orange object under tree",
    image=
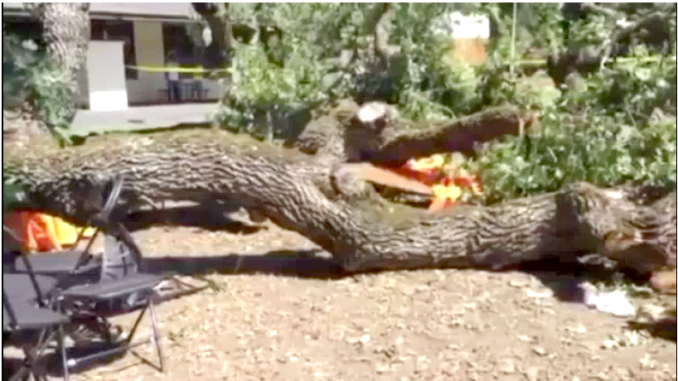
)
(449, 183)
(42, 232)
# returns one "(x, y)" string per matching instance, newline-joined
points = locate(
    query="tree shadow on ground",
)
(564, 279)
(209, 217)
(300, 264)
(664, 328)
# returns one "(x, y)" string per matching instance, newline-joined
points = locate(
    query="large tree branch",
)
(373, 132)
(600, 9)
(460, 135)
(377, 24)
(287, 187)
(590, 58)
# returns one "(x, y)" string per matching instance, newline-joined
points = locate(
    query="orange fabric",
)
(41, 229)
(448, 182)
(42, 232)
(66, 233)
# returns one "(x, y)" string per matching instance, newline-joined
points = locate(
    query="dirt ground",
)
(279, 312)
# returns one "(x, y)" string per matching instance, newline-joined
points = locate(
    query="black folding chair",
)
(120, 289)
(37, 304)
(84, 264)
(20, 316)
(26, 313)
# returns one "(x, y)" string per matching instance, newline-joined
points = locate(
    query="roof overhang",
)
(165, 12)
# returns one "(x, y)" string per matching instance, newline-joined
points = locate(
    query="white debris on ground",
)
(613, 302)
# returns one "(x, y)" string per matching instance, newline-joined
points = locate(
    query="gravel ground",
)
(278, 312)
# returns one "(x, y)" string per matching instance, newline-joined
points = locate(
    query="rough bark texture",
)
(66, 30)
(461, 135)
(391, 141)
(20, 125)
(299, 194)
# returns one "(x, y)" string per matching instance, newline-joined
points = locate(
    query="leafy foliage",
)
(328, 55)
(602, 150)
(30, 77)
(612, 126)
(637, 88)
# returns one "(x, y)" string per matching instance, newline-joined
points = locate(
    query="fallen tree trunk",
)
(292, 190)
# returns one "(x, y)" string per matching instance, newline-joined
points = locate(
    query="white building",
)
(126, 35)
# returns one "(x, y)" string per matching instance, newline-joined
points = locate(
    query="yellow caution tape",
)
(165, 69)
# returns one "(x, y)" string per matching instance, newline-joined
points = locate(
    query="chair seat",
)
(56, 263)
(20, 286)
(112, 289)
(29, 316)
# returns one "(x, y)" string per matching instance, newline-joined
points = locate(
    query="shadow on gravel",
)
(564, 279)
(212, 218)
(664, 328)
(51, 362)
(302, 264)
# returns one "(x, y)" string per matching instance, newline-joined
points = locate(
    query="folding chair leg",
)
(130, 337)
(32, 356)
(156, 334)
(62, 349)
(20, 374)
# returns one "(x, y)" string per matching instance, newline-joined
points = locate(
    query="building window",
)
(118, 30)
(25, 29)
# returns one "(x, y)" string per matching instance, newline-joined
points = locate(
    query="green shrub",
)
(599, 149)
(262, 89)
(614, 126)
(635, 88)
(28, 76)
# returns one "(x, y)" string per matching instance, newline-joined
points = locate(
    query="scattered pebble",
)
(539, 295)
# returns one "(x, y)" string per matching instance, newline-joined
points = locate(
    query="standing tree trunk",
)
(218, 19)
(66, 30)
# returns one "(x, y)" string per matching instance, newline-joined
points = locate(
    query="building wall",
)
(470, 34)
(106, 76)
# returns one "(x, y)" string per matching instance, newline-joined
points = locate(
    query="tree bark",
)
(460, 135)
(218, 19)
(66, 30)
(292, 190)
(389, 141)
